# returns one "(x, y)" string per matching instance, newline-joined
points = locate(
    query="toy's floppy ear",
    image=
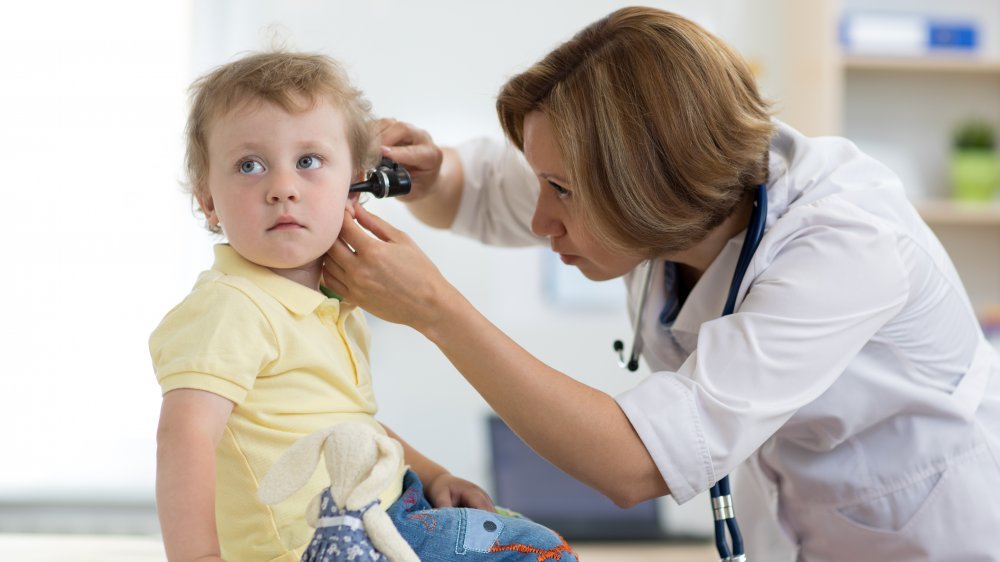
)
(390, 455)
(293, 468)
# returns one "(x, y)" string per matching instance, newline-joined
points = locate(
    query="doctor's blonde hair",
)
(660, 125)
(293, 81)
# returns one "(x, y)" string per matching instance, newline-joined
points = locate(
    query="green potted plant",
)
(975, 166)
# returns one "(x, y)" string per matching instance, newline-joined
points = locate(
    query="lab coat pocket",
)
(906, 509)
(893, 510)
(955, 521)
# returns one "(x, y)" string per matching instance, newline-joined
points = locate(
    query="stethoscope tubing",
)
(722, 501)
(619, 347)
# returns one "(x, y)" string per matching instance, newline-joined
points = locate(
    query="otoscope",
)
(388, 179)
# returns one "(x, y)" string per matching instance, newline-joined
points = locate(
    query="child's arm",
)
(192, 423)
(442, 488)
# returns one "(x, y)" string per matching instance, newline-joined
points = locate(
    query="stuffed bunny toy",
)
(350, 525)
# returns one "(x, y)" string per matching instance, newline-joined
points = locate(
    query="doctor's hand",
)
(414, 149)
(436, 172)
(386, 274)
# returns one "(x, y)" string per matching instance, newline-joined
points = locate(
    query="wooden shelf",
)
(959, 213)
(932, 63)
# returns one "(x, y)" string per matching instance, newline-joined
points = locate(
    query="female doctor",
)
(852, 382)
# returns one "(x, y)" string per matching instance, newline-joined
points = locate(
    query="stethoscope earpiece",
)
(633, 362)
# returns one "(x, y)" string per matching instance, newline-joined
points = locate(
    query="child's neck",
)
(308, 275)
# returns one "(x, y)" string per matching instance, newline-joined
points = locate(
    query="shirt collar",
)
(297, 298)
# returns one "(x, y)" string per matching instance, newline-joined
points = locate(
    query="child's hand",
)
(448, 490)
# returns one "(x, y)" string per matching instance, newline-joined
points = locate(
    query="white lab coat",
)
(853, 383)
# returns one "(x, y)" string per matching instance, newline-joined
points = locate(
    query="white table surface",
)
(80, 548)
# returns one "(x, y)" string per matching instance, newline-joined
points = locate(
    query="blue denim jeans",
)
(471, 535)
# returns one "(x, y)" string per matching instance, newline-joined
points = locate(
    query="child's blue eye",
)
(251, 167)
(309, 162)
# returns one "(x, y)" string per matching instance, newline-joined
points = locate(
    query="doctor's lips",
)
(568, 259)
(285, 222)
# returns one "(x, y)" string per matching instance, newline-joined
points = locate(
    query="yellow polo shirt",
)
(292, 361)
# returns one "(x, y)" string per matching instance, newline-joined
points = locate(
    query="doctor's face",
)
(557, 215)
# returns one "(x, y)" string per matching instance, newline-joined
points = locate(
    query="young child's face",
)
(278, 182)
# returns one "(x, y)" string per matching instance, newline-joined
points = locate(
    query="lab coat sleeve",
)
(499, 195)
(822, 287)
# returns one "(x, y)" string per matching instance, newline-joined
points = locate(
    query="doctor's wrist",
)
(446, 313)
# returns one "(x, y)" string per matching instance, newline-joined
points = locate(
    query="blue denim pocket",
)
(471, 535)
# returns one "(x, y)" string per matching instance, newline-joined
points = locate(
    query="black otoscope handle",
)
(388, 179)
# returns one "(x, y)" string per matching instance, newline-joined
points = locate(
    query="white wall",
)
(100, 243)
(94, 231)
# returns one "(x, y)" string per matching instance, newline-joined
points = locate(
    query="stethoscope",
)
(722, 498)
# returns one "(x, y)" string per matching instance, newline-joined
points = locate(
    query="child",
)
(256, 356)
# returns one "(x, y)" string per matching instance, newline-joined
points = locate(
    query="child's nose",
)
(282, 188)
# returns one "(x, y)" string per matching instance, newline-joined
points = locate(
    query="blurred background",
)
(99, 240)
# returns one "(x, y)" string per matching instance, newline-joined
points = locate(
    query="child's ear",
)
(208, 208)
(355, 198)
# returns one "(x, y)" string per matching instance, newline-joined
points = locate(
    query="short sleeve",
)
(216, 340)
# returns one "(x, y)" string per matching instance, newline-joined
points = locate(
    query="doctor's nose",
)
(545, 222)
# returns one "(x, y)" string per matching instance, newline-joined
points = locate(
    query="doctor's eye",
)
(561, 191)
(310, 162)
(250, 167)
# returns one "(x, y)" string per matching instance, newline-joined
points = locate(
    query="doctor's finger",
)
(337, 258)
(384, 123)
(379, 227)
(393, 132)
(334, 284)
(416, 158)
(359, 233)
(355, 235)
